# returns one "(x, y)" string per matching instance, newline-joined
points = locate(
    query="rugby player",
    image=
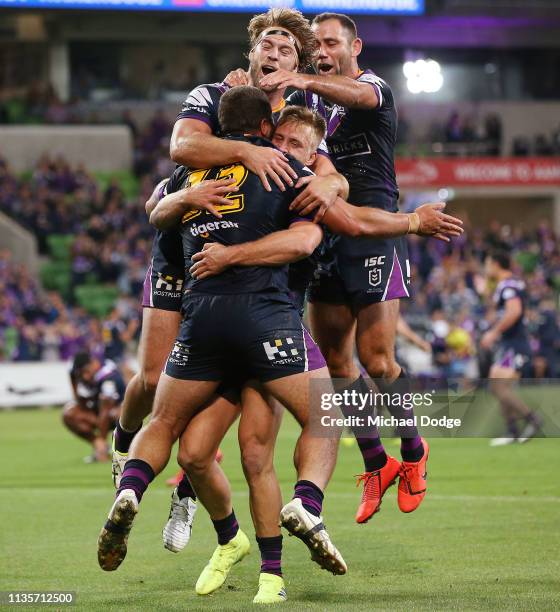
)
(297, 133)
(98, 391)
(509, 340)
(242, 317)
(160, 323)
(356, 295)
(279, 39)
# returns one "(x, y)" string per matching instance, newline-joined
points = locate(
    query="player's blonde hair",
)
(305, 116)
(291, 20)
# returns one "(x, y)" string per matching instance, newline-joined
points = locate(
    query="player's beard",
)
(255, 74)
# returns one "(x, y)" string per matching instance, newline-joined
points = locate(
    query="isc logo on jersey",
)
(204, 228)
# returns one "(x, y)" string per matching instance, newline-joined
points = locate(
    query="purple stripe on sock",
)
(147, 294)
(271, 564)
(369, 453)
(307, 501)
(136, 473)
(408, 444)
(315, 359)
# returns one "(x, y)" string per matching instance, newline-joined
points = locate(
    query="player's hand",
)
(206, 195)
(434, 222)
(268, 163)
(320, 194)
(280, 79)
(488, 339)
(237, 77)
(212, 260)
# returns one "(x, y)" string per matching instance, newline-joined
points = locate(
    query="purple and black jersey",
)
(513, 350)
(163, 285)
(203, 102)
(107, 383)
(361, 143)
(253, 213)
(506, 290)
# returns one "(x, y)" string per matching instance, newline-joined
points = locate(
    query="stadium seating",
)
(56, 276)
(96, 299)
(60, 246)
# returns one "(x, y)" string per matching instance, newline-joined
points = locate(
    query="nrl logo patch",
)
(375, 277)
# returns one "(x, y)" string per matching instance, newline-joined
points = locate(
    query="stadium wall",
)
(105, 148)
(34, 384)
(20, 243)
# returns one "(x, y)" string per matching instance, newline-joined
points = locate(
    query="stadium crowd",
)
(112, 243)
(452, 305)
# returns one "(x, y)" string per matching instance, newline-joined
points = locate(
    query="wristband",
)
(413, 223)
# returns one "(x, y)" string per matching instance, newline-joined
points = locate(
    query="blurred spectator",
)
(453, 128)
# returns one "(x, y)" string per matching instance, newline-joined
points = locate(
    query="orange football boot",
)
(375, 485)
(412, 482)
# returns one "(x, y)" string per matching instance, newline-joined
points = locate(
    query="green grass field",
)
(486, 537)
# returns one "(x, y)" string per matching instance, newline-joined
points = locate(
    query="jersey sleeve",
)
(109, 390)
(508, 293)
(202, 104)
(175, 181)
(382, 89)
(302, 171)
(297, 98)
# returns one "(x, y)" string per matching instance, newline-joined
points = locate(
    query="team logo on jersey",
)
(179, 354)
(352, 147)
(204, 228)
(282, 351)
(374, 277)
(169, 283)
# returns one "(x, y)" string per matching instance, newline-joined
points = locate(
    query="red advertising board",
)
(490, 171)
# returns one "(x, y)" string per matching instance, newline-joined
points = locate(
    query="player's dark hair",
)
(348, 24)
(242, 109)
(501, 257)
(81, 360)
(291, 20)
(300, 114)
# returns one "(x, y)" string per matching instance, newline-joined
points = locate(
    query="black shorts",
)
(257, 335)
(515, 356)
(361, 271)
(163, 285)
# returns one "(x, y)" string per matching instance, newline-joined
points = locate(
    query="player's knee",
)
(193, 461)
(378, 364)
(69, 415)
(150, 379)
(256, 459)
(340, 366)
